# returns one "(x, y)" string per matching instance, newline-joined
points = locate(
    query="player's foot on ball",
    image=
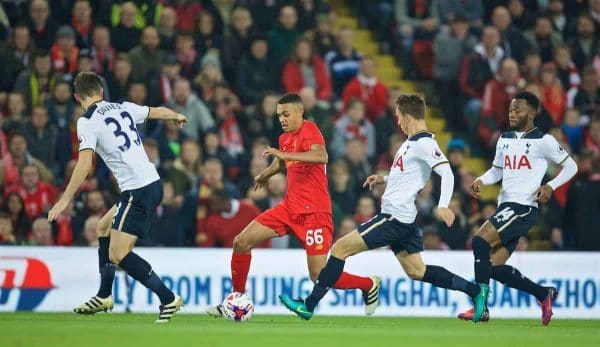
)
(215, 311)
(480, 302)
(468, 315)
(167, 311)
(94, 305)
(371, 298)
(297, 306)
(547, 305)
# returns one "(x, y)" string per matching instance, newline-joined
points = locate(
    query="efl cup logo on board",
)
(24, 282)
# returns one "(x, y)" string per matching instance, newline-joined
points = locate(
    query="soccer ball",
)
(238, 307)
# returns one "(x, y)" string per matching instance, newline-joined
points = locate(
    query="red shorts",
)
(314, 230)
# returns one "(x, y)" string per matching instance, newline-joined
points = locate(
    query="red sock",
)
(348, 281)
(240, 266)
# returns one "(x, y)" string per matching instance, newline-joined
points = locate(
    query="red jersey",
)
(306, 183)
(44, 196)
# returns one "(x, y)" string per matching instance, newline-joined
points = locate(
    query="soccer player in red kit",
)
(306, 209)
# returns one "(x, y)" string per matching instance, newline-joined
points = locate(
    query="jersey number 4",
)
(120, 133)
(504, 215)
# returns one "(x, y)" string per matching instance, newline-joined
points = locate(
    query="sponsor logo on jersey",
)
(514, 163)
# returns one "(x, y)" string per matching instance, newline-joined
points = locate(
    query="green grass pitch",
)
(131, 330)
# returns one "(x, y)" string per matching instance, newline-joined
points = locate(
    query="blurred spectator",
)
(283, 35)
(560, 22)
(126, 35)
(119, 79)
(471, 10)
(90, 237)
(587, 98)
(276, 191)
(146, 58)
(573, 129)
(584, 46)
(209, 78)
(450, 47)
(137, 93)
(264, 121)
(353, 125)
(21, 157)
(167, 230)
(189, 163)
(15, 56)
(161, 87)
(7, 236)
(81, 20)
(522, 17)
(417, 21)
(166, 29)
(21, 224)
(41, 234)
(531, 69)
(432, 240)
(365, 209)
(227, 219)
(41, 26)
(187, 56)
(237, 41)
(456, 235)
(186, 102)
(369, 89)
(425, 204)
(496, 99)
(246, 183)
(37, 83)
(255, 75)
(356, 158)
(553, 96)
(308, 10)
(187, 12)
(169, 139)
(41, 137)
(206, 35)
(592, 139)
(323, 37)
(38, 196)
(347, 225)
(386, 159)
(582, 210)
(340, 189)
(227, 110)
(16, 112)
(512, 41)
(543, 38)
(95, 204)
(317, 111)
(213, 149)
(343, 61)
(103, 53)
(456, 152)
(387, 123)
(567, 71)
(306, 69)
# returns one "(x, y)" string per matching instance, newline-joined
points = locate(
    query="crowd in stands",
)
(225, 63)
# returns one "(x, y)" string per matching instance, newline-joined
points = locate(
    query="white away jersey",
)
(110, 130)
(409, 173)
(524, 162)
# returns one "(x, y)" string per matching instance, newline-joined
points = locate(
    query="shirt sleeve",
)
(86, 135)
(431, 152)
(498, 161)
(313, 137)
(139, 113)
(553, 151)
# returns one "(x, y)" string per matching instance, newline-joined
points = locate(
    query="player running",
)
(521, 161)
(306, 209)
(110, 130)
(395, 225)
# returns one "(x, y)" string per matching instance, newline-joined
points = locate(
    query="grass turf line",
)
(132, 330)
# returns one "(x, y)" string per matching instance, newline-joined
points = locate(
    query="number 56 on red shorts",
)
(314, 230)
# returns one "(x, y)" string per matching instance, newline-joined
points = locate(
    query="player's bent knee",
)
(241, 244)
(116, 254)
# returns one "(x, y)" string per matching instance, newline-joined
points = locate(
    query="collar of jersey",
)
(420, 134)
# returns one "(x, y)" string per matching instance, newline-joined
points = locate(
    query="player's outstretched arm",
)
(316, 155)
(164, 113)
(569, 169)
(491, 176)
(82, 168)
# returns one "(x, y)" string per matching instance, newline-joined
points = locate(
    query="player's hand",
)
(476, 188)
(543, 194)
(260, 182)
(270, 151)
(57, 209)
(445, 215)
(373, 180)
(180, 120)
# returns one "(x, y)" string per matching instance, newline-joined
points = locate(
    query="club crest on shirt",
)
(80, 138)
(560, 149)
(437, 153)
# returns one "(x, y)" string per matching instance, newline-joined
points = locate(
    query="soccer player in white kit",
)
(109, 129)
(395, 225)
(521, 161)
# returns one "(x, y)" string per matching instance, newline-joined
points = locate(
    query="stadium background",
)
(224, 63)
